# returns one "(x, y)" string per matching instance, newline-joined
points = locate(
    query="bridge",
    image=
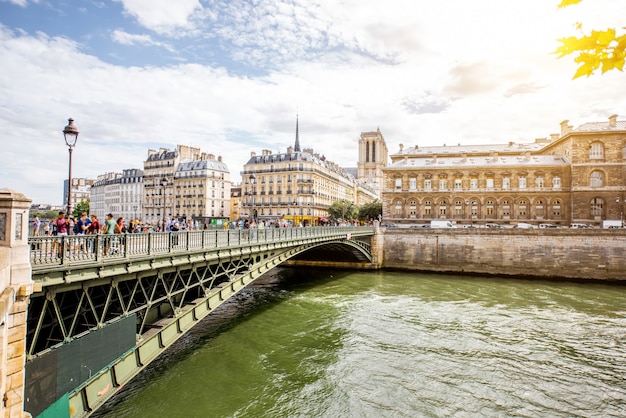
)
(104, 306)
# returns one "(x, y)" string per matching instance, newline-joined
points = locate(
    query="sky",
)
(231, 76)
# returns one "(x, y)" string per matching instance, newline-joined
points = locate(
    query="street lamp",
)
(163, 185)
(70, 132)
(252, 181)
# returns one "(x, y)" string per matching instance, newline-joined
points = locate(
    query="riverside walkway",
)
(105, 306)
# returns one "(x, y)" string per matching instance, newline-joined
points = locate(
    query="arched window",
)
(427, 208)
(442, 208)
(596, 179)
(556, 208)
(398, 209)
(596, 206)
(412, 208)
(596, 150)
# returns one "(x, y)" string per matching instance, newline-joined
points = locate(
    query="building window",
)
(506, 183)
(596, 207)
(427, 208)
(428, 184)
(596, 150)
(490, 183)
(458, 184)
(398, 208)
(556, 209)
(443, 184)
(398, 184)
(595, 179)
(506, 208)
(473, 183)
(490, 208)
(556, 182)
(474, 209)
(522, 210)
(413, 183)
(442, 208)
(539, 182)
(412, 208)
(522, 182)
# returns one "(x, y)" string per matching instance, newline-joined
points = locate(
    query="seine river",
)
(395, 344)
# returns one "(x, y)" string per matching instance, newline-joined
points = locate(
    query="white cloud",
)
(126, 38)
(162, 16)
(424, 72)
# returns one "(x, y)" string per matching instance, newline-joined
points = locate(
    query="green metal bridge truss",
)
(163, 282)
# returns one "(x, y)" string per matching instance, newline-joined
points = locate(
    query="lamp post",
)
(163, 185)
(70, 132)
(252, 181)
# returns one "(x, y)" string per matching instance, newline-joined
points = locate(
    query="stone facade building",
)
(296, 186)
(575, 176)
(202, 189)
(117, 193)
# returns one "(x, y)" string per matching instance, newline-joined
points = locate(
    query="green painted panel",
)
(186, 321)
(98, 389)
(125, 368)
(169, 334)
(148, 350)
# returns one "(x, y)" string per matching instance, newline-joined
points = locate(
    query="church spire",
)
(296, 148)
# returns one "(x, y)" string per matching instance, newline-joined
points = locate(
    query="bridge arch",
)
(160, 295)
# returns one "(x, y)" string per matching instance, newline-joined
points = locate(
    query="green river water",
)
(306, 343)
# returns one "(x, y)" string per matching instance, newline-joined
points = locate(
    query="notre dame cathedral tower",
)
(373, 156)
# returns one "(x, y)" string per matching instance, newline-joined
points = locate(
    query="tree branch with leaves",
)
(601, 49)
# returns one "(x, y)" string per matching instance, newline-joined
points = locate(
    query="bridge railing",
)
(49, 251)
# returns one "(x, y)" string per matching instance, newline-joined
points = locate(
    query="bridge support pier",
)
(377, 245)
(16, 285)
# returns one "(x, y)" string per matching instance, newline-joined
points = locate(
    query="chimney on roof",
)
(565, 128)
(252, 154)
(401, 147)
(211, 156)
(289, 150)
(219, 158)
(613, 121)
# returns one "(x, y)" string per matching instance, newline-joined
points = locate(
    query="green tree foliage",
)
(370, 211)
(342, 210)
(602, 49)
(49, 214)
(82, 206)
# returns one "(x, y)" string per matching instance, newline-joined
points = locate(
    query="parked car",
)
(419, 226)
(547, 226)
(388, 225)
(580, 226)
(492, 225)
(523, 225)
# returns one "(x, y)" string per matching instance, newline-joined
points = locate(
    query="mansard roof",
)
(510, 148)
(620, 125)
(480, 162)
(163, 154)
(202, 165)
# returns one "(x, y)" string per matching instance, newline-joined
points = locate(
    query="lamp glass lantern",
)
(70, 133)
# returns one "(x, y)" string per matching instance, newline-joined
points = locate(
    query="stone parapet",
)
(16, 285)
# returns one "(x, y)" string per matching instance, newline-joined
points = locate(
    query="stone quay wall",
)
(591, 254)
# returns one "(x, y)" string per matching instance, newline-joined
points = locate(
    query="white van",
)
(523, 225)
(442, 224)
